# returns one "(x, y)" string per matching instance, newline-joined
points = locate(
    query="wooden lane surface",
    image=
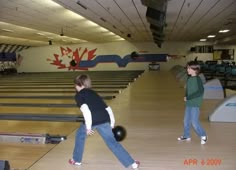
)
(53, 85)
(33, 152)
(92, 74)
(44, 101)
(58, 86)
(151, 109)
(52, 94)
(102, 76)
(23, 156)
(52, 91)
(12, 88)
(57, 91)
(27, 80)
(41, 110)
(62, 83)
(35, 89)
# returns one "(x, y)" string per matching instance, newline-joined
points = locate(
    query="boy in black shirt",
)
(97, 116)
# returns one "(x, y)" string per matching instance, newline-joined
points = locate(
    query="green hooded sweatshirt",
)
(194, 91)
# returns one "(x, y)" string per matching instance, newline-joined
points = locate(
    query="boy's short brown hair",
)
(194, 65)
(83, 80)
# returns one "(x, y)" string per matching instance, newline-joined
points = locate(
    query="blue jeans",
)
(106, 133)
(191, 117)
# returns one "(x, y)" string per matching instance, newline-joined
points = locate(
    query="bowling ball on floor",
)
(119, 133)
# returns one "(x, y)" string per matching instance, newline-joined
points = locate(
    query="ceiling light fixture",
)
(211, 36)
(203, 39)
(224, 31)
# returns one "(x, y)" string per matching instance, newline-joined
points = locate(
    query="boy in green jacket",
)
(193, 100)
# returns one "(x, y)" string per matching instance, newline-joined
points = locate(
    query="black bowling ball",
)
(73, 63)
(119, 133)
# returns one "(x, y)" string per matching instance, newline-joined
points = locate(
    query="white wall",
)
(36, 59)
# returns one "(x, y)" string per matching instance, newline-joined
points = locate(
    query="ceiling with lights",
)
(44, 22)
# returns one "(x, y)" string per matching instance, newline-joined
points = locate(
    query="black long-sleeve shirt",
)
(96, 105)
